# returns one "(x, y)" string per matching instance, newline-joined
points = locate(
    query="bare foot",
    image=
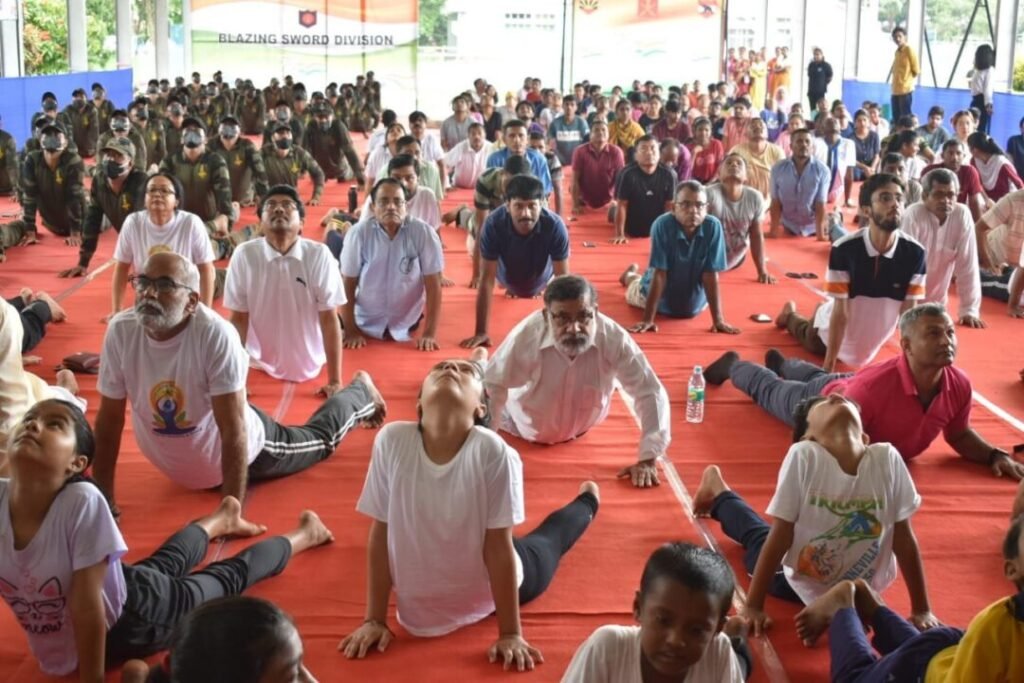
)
(31, 360)
(812, 620)
(788, 309)
(66, 380)
(628, 274)
(310, 533)
(26, 295)
(227, 520)
(711, 486)
(56, 312)
(134, 671)
(592, 488)
(479, 355)
(377, 419)
(1018, 503)
(866, 600)
(447, 281)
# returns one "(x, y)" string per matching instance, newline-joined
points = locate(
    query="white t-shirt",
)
(170, 385)
(843, 524)
(284, 295)
(437, 516)
(612, 655)
(78, 532)
(466, 165)
(736, 218)
(184, 235)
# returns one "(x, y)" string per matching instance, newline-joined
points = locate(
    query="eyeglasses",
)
(160, 191)
(287, 205)
(162, 285)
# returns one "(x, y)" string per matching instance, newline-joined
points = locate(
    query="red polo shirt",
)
(596, 172)
(891, 411)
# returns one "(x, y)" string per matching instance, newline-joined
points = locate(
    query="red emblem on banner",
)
(307, 18)
(647, 9)
(588, 6)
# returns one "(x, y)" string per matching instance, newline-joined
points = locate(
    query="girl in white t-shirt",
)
(841, 511)
(684, 597)
(444, 495)
(231, 640)
(60, 554)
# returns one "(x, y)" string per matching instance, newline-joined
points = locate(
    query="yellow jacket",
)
(992, 650)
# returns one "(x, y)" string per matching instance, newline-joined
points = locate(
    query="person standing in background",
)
(905, 70)
(819, 75)
(981, 84)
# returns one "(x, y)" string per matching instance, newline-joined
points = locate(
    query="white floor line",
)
(762, 646)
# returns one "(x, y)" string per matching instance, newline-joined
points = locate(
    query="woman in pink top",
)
(706, 152)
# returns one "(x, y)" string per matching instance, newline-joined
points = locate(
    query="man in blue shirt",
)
(687, 253)
(799, 188)
(517, 143)
(523, 245)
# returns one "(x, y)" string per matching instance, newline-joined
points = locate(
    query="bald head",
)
(174, 266)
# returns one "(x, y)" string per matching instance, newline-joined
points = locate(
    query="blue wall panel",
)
(1008, 109)
(20, 97)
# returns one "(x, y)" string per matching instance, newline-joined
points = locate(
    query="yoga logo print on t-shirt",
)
(834, 555)
(168, 403)
(39, 616)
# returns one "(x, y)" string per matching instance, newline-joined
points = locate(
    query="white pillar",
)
(78, 53)
(852, 69)
(10, 49)
(125, 33)
(160, 38)
(186, 27)
(1005, 44)
(915, 34)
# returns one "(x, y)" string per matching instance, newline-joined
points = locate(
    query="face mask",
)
(283, 143)
(79, 104)
(229, 132)
(97, 94)
(282, 116)
(119, 124)
(141, 114)
(196, 80)
(201, 106)
(112, 168)
(325, 126)
(151, 90)
(50, 142)
(250, 94)
(176, 110)
(192, 139)
(49, 105)
(164, 88)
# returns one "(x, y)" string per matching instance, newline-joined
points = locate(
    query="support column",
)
(10, 49)
(161, 37)
(852, 68)
(78, 52)
(186, 27)
(1005, 43)
(125, 33)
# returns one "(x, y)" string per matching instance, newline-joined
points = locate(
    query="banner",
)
(315, 41)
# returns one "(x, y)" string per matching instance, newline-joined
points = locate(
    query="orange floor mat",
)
(324, 589)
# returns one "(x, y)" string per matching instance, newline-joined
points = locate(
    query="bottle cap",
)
(697, 369)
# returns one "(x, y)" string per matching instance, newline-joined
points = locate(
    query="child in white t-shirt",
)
(841, 511)
(684, 597)
(444, 495)
(60, 554)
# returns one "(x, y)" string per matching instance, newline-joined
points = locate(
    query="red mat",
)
(325, 588)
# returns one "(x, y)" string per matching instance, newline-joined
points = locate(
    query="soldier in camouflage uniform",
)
(285, 163)
(327, 139)
(151, 129)
(245, 163)
(84, 125)
(121, 127)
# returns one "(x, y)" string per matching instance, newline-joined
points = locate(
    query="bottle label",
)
(696, 394)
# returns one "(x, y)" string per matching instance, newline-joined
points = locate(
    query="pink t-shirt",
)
(78, 532)
(890, 410)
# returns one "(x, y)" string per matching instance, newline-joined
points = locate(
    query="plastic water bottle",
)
(695, 396)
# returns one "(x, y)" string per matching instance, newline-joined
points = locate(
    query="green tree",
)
(46, 35)
(433, 23)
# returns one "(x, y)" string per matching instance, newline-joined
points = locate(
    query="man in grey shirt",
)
(455, 128)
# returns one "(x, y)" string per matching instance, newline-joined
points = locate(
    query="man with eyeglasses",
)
(162, 227)
(554, 376)
(183, 368)
(244, 161)
(874, 275)
(283, 293)
(687, 253)
(391, 267)
(118, 190)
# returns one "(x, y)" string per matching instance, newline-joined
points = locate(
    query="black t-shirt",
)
(646, 194)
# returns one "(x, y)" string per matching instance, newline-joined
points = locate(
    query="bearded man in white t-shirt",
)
(283, 293)
(184, 369)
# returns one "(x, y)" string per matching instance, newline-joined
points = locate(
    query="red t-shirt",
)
(706, 161)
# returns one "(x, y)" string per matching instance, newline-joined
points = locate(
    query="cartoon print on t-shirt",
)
(45, 615)
(823, 557)
(168, 403)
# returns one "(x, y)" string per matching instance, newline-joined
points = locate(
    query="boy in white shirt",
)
(681, 607)
(468, 160)
(444, 495)
(841, 511)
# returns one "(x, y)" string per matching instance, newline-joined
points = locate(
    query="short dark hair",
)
(905, 121)
(405, 140)
(517, 165)
(800, 413)
(569, 98)
(524, 187)
(536, 135)
(673, 106)
(953, 142)
(645, 138)
(698, 569)
(386, 181)
(417, 116)
(1011, 543)
(179, 189)
(898, 29)
(741, 102)
(569, 288)
(387, 117)
(401, 161)
(513, 123)
(891, 159)
(872, 184)
(936, 111)
(288, 191)
(904, 137)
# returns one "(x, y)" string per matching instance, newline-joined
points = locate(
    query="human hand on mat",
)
(1005, 466)
(758, 619)
(475, 341)
(30, 237)
(372, 632)
(329, 389)
(619, 239)
(924, 620)
(724, 327)
(514, 649)
(643, 474)
(426, 343)
(77, 271)
(1015, 311)
(972, 321)
(354, 339)
(644, 326)
(74, 239)
(766, 278)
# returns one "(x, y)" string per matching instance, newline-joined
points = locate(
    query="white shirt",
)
(466, 165)
(284, 295)
(612, 655)
(437, 516)
(170, 385)
(542, 395)
(422, 206)
(378, 161)
(391, 295)
(981, 83)
(915, 165)
(430, 147)
(736, 218)
(376, 140)
(843, 524)
(846, 157)
(77, 532)
(1005, 238)
(951, 249)
(184, 235)
(882, 128)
